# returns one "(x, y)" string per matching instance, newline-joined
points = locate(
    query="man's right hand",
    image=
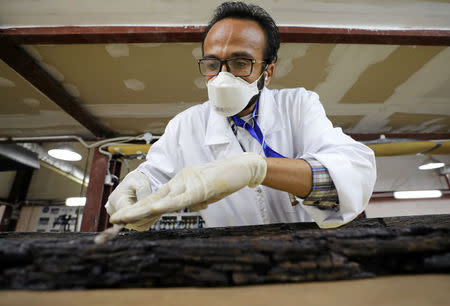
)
(195, 187)
(134, 187)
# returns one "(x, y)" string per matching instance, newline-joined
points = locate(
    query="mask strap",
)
(250, 103)
(256, 133)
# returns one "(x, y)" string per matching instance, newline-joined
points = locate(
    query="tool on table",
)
(108, 234)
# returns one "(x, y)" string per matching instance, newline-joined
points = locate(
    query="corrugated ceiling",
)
(138, 87)
(134, 88)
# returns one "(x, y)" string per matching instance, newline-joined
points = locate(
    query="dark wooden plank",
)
(114, 168)
(164, 34)
(233, 256)
(412, 136)
(94, 213)
(104, 34)
(365, 36)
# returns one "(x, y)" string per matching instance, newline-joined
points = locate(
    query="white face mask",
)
(229, 95)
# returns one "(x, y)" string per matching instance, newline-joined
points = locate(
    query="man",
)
(249, 155)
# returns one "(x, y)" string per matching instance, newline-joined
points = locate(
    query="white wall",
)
(45, 185)
(49, 185)
(428, 14)
(400, 173)
(391, 208)
(396, 173)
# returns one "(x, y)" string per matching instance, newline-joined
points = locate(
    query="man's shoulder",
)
(294, 94)
(194, 114)
(292, 98)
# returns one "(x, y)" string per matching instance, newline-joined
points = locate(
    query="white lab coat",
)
(294, 124)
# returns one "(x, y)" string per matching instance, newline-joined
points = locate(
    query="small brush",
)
(108, 234)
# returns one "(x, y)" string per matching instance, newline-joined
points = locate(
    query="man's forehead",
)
(235, 35)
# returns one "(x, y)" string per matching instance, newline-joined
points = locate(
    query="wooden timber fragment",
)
(274, 253)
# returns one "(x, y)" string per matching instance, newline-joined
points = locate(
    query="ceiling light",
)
(431, 163)
(76, 201)
(65, 152)
(417, 194)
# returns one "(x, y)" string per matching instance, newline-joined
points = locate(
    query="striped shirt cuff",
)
(323, 192)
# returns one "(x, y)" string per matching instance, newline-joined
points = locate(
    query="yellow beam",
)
(129, 149)
(409, 147)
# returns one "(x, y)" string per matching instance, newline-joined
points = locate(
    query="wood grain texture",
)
(165, 34)
(278, 253)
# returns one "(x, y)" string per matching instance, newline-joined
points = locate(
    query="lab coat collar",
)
(270, 119)
(218, 130)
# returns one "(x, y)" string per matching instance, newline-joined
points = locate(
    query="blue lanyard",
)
(256, 133)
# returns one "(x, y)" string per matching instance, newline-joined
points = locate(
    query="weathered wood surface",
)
(227, 256)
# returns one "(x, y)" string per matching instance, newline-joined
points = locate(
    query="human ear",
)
(269, 73)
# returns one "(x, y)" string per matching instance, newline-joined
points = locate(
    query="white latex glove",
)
(134, 187)
(196, 187)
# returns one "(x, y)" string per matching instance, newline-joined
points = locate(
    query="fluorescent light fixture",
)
(431, 166)
(417, 194)
(76, 201)
(431, 163)
(64, 154)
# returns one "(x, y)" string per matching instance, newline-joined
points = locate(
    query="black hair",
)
(241, 10)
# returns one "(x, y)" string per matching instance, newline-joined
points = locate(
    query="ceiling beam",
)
(412, 136)
(13, 157)
(25, 66)
(163, 34)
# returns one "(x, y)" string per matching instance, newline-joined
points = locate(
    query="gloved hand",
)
(196, 187)
(134, 187)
